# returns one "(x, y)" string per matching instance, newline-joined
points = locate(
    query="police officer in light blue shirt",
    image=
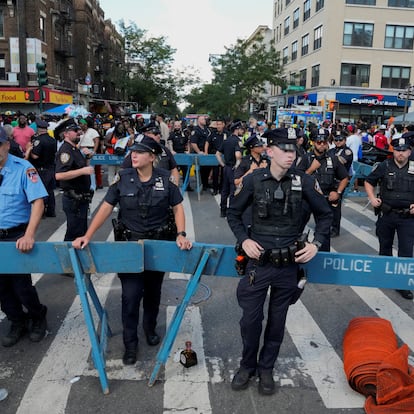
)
(21, 209)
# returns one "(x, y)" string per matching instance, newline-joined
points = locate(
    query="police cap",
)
(235, 125)
(152, 128)
(322, 135)
(41, 123)
(146, 144)
(66, 125)
(253, 141)
(284, 138)
(401, 144)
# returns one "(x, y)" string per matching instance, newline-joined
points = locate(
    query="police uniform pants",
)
(387, 225)
(76, 217)
(137, 286)
(228, 187)
(251, 298)
(337, 214)
(47, 176)
(16, 291)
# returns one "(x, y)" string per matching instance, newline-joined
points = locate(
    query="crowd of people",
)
(270, 179)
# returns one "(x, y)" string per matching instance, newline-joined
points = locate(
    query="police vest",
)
(398, 183)
(277, 206)
(325, 174)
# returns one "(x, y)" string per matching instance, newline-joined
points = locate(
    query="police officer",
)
(145, 195)
(21, 209)
(332, 176)
(255, 159)
(213, 143)
(74, 176)
(42, 155)
(275, 195)
(229, 155)
(395, 202)
(198, 139)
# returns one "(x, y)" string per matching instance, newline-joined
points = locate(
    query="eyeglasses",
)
(320, 142)
(339, 139)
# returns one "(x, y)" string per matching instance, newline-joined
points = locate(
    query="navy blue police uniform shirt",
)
(228, 148)
(21, 186)
(199, 136)
(311, 193)
(245, 164)
(179, 141)
(143, 205)
(44, 146)
(344, 155)
(70, 158)
(215, 140)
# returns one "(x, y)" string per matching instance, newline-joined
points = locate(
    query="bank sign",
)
(373, 100)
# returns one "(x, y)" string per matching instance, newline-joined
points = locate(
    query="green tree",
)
(240, 77)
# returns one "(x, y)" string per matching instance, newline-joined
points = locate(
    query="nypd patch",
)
(36, 143)
(32, 175)
(64, 157)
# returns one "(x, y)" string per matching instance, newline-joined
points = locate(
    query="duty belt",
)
(4, 233)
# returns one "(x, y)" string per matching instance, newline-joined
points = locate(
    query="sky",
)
(194, 28)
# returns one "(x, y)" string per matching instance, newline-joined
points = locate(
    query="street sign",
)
(295, 88)
(403, 95)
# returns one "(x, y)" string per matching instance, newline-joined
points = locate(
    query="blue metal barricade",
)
(202, 259)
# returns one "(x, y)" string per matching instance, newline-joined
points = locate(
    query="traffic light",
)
(41, 74)
(29, 95)
(333, 105)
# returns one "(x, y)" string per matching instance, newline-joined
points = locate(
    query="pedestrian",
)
(42, 155)
(228, 156)
(275, 195)
(22, 133)
(145, 194)
(74, 176)
(394, 204)
(21, 209)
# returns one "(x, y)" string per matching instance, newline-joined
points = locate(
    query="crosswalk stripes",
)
(321, 364)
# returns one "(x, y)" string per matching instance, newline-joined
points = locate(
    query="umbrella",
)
(58, 110)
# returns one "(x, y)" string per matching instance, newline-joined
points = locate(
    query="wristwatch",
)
(317, 243)
(182, 233)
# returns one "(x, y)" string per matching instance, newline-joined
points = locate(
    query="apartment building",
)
(83, 53)
(352, 57)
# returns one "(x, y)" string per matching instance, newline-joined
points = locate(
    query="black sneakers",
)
(241, 380)
(266, 383)
(130, 356)
(39, 328)
(152, 338)
(16, 332)
(406, 294)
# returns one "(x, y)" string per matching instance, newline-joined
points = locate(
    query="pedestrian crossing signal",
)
(29, 95)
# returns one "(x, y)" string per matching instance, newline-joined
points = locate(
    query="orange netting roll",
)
(376, 368)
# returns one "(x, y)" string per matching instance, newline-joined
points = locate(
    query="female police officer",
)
(145, 195)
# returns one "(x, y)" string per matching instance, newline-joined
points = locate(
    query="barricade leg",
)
(186, 179)
(198, 178)
(97, 356)
(175, 323)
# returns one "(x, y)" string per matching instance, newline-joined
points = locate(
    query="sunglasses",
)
(339, 139)
(320, 142)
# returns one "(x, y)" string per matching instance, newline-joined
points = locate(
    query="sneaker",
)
(266, 383)
(39, 328)
(406, 294)
(16, 332)
(241, 380)
(152, 338)
(130, 356)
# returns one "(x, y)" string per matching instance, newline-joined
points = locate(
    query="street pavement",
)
(57, 375)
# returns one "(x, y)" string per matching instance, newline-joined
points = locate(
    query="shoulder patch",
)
(36, 143)
(192, 132)
(64, 157)
(341, 159)
(116, 179)
(32, 175)
(348, 152)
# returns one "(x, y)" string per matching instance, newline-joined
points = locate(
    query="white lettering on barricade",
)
(343, 264)
(399, 268)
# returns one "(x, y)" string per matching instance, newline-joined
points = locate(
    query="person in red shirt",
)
(22, 133)
(380, 139)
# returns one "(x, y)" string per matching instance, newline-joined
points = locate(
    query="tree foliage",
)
(240, 77)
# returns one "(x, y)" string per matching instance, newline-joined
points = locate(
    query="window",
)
(305, 45)
(294, 50)
(399, 37)
(2, 66)
(363, 2)
(42, 26)
(285, 55)
(358, 34)
(401, 3)
(319, 4)
(1, 23)
(355, 75)
(315, 75)
(292, 78)
(395, 77)
(302, 78)
(317, 38)
(287, 23)
(296, 18)
(288, 2)
(306, 9)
